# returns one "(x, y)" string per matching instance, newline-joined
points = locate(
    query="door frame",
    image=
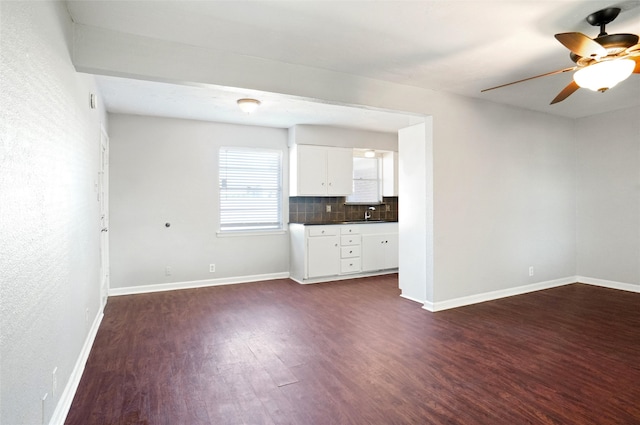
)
(103, 198)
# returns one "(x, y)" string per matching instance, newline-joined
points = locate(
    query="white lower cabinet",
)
(323, 256)
(322, 253)
(379, 252)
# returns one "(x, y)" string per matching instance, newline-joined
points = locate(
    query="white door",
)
(103, 197)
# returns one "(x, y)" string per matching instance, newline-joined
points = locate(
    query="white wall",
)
(504, 198)
(415, 218)
(49, 213)
(608, 196)
(305, 134)
(166, 170)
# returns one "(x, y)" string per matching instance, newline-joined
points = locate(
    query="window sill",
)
(241, 233)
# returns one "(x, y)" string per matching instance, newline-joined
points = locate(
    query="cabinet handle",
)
(350, 252)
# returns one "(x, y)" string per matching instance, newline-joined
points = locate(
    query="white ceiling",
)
(216, 103)
(452, 46)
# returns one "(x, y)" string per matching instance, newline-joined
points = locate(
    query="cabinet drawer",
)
(350, 251)
(350, 229)
(323, 231)
(350, 265)
(349, 240)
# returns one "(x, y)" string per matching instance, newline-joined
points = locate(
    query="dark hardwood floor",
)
(353, 352)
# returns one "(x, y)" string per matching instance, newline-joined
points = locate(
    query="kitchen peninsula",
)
(326, 252)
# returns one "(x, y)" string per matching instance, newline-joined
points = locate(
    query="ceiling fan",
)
(601, 63)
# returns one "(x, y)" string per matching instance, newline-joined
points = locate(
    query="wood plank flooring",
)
(354, 352)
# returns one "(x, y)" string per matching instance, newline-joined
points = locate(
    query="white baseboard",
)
(494, 295)
(172, 286)
(609, 284)
(406, 297)
(342, 277)
(66, 398)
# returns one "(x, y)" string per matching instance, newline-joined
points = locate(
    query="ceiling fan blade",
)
(636, 70)
(581, 45)
(633, 49)
(566, 92)
(560, 71)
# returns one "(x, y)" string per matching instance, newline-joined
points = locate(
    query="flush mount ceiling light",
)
(248, 105)
(602, 76)
(370, 154)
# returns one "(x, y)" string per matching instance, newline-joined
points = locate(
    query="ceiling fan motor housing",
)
(613, 43)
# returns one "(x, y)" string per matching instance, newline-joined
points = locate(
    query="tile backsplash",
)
(313, 209)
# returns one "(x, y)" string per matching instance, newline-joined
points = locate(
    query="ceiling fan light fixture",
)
(604, 75)
(248, 105)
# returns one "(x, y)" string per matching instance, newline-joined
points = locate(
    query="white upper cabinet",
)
(390, 174)
(321, 171)
(311, 171)
(339, 171)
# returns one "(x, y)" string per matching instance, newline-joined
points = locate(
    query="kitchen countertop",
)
(346, 222)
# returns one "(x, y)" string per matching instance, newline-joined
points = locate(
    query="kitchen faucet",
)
(367, 213)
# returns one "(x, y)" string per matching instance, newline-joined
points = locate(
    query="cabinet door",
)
(323, 256)
(339, 171)
(391, 251)
(373, 252)
(311, 170)
(379, 252)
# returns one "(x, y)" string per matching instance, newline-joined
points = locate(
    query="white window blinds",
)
(250, 189)
(366, 181)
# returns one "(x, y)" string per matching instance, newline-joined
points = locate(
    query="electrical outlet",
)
(328, 208)
(530, 270)
(54, 382)
(212, 268)
(387, 208)
(167, 271)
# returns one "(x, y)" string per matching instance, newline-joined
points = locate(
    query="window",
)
(250, 189)
(366, 181)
